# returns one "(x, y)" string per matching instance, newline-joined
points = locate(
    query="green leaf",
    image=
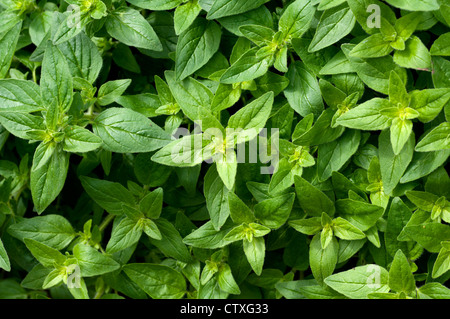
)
(334, 24)
(52, 230)
(441, 45)
(401, 278)
(249, 120)
(123, 57)
(124, 130)
(435, 290)
(8, 44)
(361, 214)
(423, 164)
(185, 15)
(156, 4)
(397, 90)
(442, 263)
(333, 156)
(258, 34)
(208, 237)
(345, 230)
(406, 25)
(441, 69)
(92, 262)
(359, 282)
(309, 288)
(129, 27)
(47, 256)
(78, 139)
(415, 55)
(425, 5)
(171, 244)
(225, 97)
(125, 233)
(259, 16)
(216, 194)
(226, 280)
(429, 102)
(296, 19)
(111, 91)
(308, 226)
(20, 124)
(366, 116)
(303, 92)
(322, 261)
(83, 57)
(19, 96)
(52, 279)
(223, 8)
(239, 212)
(196, 46)
(48, 180)
(437, 139)
(248, 67)
(56, 83)
(151, 204)
(398, 216)
(393, 166)
(194, 99)
(67, 25)
(429, 235)
(312, 200)
(255, 251)
(281, 180)
(158, 281)
(274, 212)
(4, 260)
(109, 195)
(373, 46)
(184, 152)
(374, 72)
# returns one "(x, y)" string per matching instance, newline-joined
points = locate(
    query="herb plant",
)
(224, 149)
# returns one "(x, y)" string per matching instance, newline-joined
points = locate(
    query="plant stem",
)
(106, 222)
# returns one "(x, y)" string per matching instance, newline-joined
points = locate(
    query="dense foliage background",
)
(93, 203)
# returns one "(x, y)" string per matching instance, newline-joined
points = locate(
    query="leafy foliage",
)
(224, 149)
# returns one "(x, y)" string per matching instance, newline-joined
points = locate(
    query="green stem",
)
(106, 222)
(33, 73)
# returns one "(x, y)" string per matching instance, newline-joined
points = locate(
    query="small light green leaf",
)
(111, 91)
